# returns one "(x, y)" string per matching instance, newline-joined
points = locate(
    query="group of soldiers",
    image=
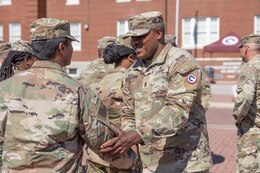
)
(139, 107)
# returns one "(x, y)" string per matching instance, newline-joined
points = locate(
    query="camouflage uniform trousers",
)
(145, 170)
(97, 168)
(93, 167)
(248, 156)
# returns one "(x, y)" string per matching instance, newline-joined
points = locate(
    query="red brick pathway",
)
(222, 134)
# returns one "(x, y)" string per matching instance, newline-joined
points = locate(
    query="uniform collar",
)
(47, 64)
(157, 60)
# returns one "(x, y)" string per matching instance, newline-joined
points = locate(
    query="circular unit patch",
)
(192, 79)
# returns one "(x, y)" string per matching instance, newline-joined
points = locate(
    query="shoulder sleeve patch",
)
(246, 74)
(192, 80)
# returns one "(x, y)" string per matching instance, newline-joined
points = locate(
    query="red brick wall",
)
(22, 11)
(101, 18)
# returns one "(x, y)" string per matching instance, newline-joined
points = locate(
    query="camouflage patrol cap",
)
(169, 38)
(49, 28)
(5, 47)
(106, 40)
(21, 46)
(124, 41)
(252, 38)
(144, 22)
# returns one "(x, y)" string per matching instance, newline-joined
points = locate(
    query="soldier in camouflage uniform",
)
(162, 95)
(46, 116)
(122, 55)
(97, 69)
(247, 106)
(19, 57)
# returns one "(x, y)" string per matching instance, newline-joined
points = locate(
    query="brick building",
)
(93, 19)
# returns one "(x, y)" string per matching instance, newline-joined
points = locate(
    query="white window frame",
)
(73, 75)
(121, 27)
(76, 45)
(257, 24)
(208, 39)
(5, 2)
(14, 36)
(122, 1)
(1, 32)
(72, 2)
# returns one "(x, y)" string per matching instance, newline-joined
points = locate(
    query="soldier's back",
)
(96, 70)
(40, 127)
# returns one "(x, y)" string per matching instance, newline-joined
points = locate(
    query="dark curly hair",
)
(12, 58)
(114, 53)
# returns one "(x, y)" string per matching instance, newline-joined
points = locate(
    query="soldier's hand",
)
(121, 143)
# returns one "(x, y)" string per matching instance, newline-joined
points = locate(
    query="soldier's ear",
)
(131, 58)
(62, 48)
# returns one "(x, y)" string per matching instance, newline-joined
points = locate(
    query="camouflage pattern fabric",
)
(169, 38)
(106, 40)
(21, 46)
(96, 70)
(205, 91)
(246, 113)
(49, 28)
(142, 23)
(4, 49)
(251, 38)
(46, 118)
(164, 103)
(110, 93)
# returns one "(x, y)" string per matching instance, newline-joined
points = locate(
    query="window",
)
(5, 2)
(119, 1)
(75, 31)
(207, 29)
(122, 27)
(1, 33)
(257, 25)
(14, 32)
(73, 71)
(72, 2)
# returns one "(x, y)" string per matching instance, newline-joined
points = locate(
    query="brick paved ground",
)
(222, 132)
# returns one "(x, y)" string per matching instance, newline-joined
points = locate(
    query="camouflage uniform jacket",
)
(45, 119)
(164, 100)
(247, 114)
(95, 71)
(247, 103)
(110, 93)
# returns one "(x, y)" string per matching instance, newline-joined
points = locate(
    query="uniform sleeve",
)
(95, 127)
(205, 91)
(3, 118)
(110, 93)
(184, 83)
(245, 93)
(127, 114)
